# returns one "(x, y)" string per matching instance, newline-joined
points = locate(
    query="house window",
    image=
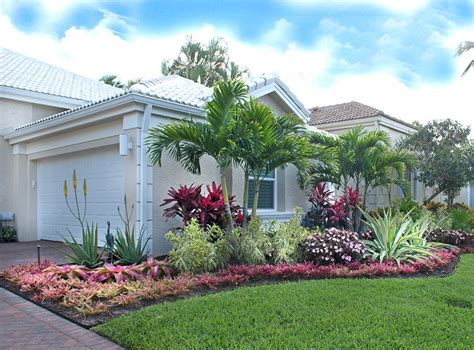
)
(267, 195)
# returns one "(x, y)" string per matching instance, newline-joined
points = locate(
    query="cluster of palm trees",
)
(203, 63)
(243, 132)
(359, 158)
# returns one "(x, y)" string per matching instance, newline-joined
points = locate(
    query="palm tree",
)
(265, 142)
(362, 157)
(206, 64)
(187, 141)
(463, 47)
(113, 80)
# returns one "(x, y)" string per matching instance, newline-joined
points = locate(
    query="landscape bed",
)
(95, 301)
(391, 313)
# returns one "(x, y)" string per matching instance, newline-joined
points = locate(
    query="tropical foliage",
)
(399, 238)
(265, 142)
(205, 64)
(187, 141)
(364, 158)
(462, 48)
(198, 249)
(190, 203)
(130, 247)
(113, 80)
(86, 252)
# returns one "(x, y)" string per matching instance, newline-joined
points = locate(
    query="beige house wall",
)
(14, 113)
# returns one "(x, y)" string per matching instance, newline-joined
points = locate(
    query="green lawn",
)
(383, 313)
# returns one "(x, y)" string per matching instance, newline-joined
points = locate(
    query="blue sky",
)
(320, 47)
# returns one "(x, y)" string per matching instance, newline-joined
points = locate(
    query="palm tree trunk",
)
(255, 198)
(346, 200)
(225, 193)
(356, 208)
(245, 203)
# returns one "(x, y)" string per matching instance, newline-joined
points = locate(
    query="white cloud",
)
(393, 23)
(405, 6)
(280, 34)
(93, 52)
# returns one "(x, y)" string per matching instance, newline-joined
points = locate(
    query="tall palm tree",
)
(463, 47)
(265, 142)
(362, 157)
(206, 64)
(187, 141)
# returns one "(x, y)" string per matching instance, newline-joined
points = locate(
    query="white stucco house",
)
(53, 121)
(340, 118)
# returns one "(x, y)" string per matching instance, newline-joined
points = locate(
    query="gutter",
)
(143, 216)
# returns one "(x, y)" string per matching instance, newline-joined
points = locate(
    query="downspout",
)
(143, 216)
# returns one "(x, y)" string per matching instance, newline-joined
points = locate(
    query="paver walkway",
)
(24, 325)
(26, 252)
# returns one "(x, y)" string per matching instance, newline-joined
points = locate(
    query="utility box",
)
(6, 216)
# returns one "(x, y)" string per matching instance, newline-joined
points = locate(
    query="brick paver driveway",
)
(26, 252)
(24, 325)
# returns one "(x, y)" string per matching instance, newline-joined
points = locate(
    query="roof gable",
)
(21, 72)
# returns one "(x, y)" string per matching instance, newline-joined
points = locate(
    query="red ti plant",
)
(211, 207)
(184, 202)
(189, 202)
(319, 197)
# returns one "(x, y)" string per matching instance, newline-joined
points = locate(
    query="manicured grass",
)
(362, 313)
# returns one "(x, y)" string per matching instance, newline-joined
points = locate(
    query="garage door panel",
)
(104, 172)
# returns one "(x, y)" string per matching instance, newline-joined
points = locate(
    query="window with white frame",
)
(267, 195)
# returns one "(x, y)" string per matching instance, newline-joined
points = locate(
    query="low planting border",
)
(235, 277)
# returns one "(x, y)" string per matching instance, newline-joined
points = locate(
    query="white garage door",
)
(104, 171)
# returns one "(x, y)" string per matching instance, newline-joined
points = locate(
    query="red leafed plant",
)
(189, 202)
(184, 202)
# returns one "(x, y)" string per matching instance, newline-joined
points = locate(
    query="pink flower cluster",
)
(454, 237)
(333, 246)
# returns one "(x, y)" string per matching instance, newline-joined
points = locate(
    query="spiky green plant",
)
(87, 251)
(399, 238)
(130, 247)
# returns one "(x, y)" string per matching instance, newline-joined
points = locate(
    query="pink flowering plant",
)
(333, 246)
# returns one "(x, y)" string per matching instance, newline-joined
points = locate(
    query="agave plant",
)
(400, 238)
(130, 247)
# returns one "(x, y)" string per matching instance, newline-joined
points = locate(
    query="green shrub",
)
(253, 246)
(287, 240)
(271, 243)
(8, 234)
(197, 249)
(462, 219)
(399, 238)
(129, 248)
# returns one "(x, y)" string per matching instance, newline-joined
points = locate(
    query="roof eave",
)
(24, 95)
(100, 107)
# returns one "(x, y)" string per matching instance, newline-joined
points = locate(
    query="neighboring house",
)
(55, 121)
(340, 118)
